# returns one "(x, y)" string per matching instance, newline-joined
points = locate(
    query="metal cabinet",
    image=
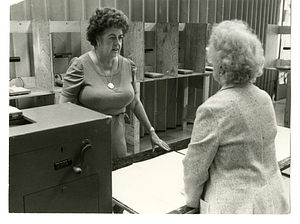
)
(60, 161)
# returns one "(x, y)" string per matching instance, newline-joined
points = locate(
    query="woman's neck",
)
(104, 63)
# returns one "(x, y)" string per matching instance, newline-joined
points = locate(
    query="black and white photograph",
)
(170, 109)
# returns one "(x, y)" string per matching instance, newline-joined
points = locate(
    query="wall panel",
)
(111, 3)
(233, 9)
(194, 11)
(137, 10)
(124, 5)
(203, 6)
(162, 11)
(227, 11)
(90, 7)
(173, 8)
(184, 11)
(257, 13)
(220, 11)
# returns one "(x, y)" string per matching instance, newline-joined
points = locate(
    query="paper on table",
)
(282, 143)
(152, 186)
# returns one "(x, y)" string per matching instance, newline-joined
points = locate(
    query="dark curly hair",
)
(105, 18)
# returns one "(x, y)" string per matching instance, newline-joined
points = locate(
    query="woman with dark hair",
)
(104, 81)
(231, 165)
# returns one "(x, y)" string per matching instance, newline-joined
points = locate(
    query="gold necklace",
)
(110, 85)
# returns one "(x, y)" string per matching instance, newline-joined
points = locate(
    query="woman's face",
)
(110, 43)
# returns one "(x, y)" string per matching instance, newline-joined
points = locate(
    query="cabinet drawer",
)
(76, 196)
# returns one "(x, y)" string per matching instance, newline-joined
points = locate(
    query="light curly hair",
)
(236, 50)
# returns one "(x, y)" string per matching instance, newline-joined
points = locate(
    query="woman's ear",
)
(222, 71)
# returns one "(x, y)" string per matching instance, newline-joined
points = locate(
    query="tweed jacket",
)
(230, 165)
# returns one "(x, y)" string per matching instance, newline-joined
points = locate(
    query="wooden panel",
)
(76, 13)
(185, 83)
(20, 45)
(18, 11)
(162, 14)
(39, 10)
(287, 112)
(259, 19)
(85, 45)
(272, 12)
(150, 11)
(220, 11)
(104, 3)
(173, 11)
(184, 11)
(284, 30)
(134, 47)
(64, 26)
(124, 5)
(240, 6)
(150, 51)
(180, 95)
(271, 45)
(203, 8)
(167, 40)
(149, 101)
(250, 13)
(58, 10)
(20, 40)
(233, 14)
(264, 21)
(194, 11)
(181, 51)
(161, 105)
(137, 10)
(196, 37)
(172, 103)
(90, 7)
(246, 10)
(42, 55)
(227, 11)
(20, 27)
(211, 13)
(76, 10)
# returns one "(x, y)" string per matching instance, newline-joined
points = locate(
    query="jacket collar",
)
(232, 85)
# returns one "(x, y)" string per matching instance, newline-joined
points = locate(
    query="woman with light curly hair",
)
(230, 165)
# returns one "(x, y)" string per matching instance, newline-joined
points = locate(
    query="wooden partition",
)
(166, 100)
(42, 45)
(42, 57)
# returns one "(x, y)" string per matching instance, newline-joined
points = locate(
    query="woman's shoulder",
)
(77, 62)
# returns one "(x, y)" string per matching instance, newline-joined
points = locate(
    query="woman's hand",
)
(155, 140)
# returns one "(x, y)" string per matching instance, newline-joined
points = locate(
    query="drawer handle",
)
(86, 144)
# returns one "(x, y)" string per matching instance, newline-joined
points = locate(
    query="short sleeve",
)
(73, 80)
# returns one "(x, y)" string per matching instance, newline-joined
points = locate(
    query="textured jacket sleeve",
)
(201, 152)
(73, 79)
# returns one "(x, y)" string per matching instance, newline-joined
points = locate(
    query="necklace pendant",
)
(110, 85)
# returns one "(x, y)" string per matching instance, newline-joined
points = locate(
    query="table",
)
(153, 186)
(39, 96)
